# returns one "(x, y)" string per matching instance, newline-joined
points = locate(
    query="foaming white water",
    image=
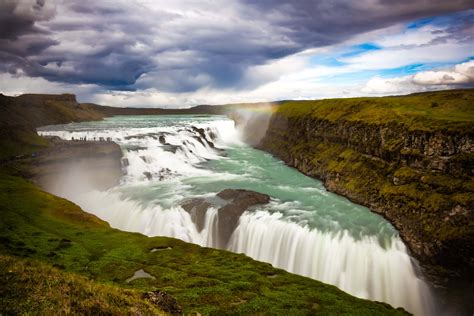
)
(162, 152)
(130, 216)
(360, 267)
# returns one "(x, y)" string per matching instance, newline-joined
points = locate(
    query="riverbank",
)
(408, 158)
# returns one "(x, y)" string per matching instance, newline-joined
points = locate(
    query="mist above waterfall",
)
(70, 168)
(252, 122)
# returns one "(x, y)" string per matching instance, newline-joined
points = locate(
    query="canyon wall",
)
(408, 158)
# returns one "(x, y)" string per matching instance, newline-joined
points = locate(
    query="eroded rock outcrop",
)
(164, 301)
(231, 204)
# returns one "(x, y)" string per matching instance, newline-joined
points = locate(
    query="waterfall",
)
(360, 267)
(166, 163)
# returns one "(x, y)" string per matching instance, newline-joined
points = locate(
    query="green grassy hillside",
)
(20, 116)
(448, 110)
(33, 287)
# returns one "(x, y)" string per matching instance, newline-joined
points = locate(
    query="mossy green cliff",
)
(409, 158)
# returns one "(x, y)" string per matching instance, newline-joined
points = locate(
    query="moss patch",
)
(454, 110)
(32, 287)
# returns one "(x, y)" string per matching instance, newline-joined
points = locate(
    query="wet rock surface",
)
(197, 208)
(228, 215)
(234, 204)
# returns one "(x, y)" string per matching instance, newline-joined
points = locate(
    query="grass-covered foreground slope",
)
(409, 158)
(76, 262)
(33, 287)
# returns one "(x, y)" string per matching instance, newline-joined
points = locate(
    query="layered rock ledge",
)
(230, 204)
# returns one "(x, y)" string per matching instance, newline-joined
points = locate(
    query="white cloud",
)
(466, 69)
(404, 56)
(379, 85)
(461, 74)
(413, 37)
(439, 77)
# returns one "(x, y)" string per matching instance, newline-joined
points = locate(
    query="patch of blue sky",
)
(326, 60)
(334, 59)
(348, 78)
(444, 20)
(360, 76)
(407, 70)
(419, 23)
(414, 68)
(360, 49)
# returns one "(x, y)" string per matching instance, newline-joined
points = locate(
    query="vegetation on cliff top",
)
(450, 110)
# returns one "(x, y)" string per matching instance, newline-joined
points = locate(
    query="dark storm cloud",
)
(17, 18)
(182, 45)
(324, 22)
(20, 37)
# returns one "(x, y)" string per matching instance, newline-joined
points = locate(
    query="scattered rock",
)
(164, 301)
(202, 136)
(125, 162)
(170, 148)
(162, 139)
(160, 249)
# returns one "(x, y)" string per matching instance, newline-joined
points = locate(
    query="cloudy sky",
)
(186, 52)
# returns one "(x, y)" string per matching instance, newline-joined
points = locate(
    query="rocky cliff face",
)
(420, 179)
(68, 168)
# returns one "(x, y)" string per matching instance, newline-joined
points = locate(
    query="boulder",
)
(236, 203)
(164, 301)
(197, 208)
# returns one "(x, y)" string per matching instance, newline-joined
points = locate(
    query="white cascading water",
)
(359, 266)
